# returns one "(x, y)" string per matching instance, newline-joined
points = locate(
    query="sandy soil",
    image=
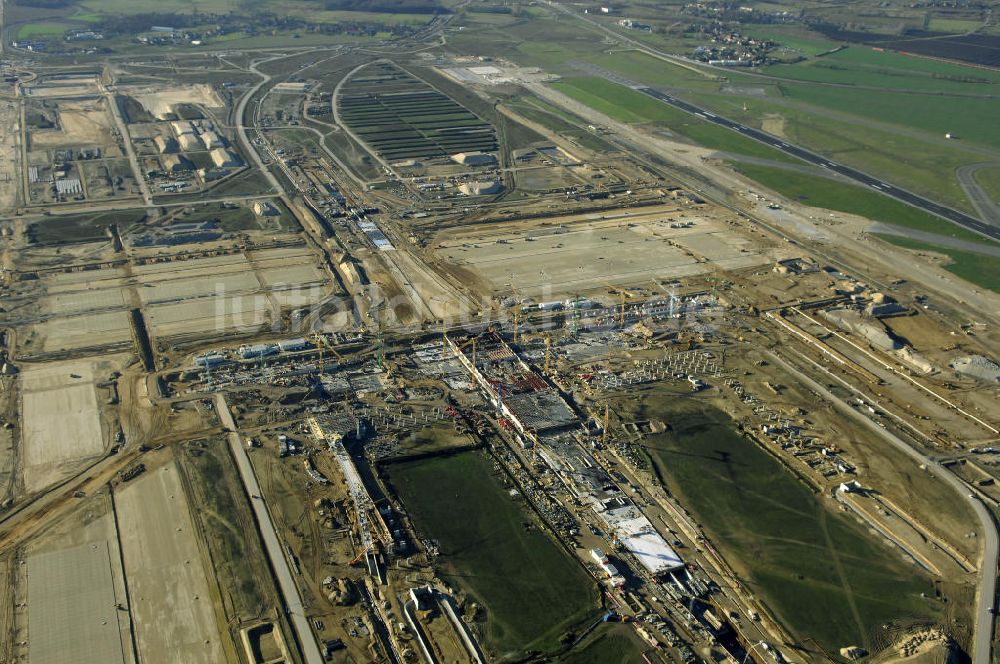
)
(161, 102)
(9, 141)
(80, 123)
(584, 253)
(54, 447)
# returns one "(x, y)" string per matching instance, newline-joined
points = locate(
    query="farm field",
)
(805, 42)
(955, 25)
(823, 574)
(401, 117)
(112, 7)
(42, 29)
(532, 591)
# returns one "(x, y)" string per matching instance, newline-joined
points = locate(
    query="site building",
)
(189, 142)
(212, 140)
(165, 144)
(248, 351)
(182, 127)
(474, 159)
(223, 158)
(173, 163)
(291, 345)
(209, 360)
(481, 188)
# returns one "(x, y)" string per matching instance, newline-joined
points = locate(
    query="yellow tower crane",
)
(623, 293)
(604, 427)
(321, 342)
(548, 352)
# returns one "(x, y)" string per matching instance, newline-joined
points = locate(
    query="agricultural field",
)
(824, 576)
(42, 29)
(490, 547)
(401, 117)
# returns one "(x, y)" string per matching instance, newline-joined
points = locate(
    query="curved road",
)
(987, 208)
(986, 592)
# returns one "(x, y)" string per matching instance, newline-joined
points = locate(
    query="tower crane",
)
(321, 342)
(623, 293)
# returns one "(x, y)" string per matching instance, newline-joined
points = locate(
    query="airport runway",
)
(954, 216)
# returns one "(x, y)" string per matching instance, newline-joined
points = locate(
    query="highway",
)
(311, 653)
(988, 566)
(908, 197)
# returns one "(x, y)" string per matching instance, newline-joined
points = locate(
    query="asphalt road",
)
(986, 592)
(979, 197)
(272, 544)
(908, 197)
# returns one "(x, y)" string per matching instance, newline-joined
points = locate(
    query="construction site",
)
(361, 365)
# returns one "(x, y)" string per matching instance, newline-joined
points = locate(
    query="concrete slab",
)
(174, 617)
(72, 611)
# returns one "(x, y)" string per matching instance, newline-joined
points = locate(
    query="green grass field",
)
(610, 643)
(626, 105)
(833, 195)
(60, 229)
(971, 119)
(160, 6)
(43, 29)
(910, 163)
(490, 546)
(953, 25)
(806, 43)
(989, 180)
(823, 574)
(979, 269)
(862, 66)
